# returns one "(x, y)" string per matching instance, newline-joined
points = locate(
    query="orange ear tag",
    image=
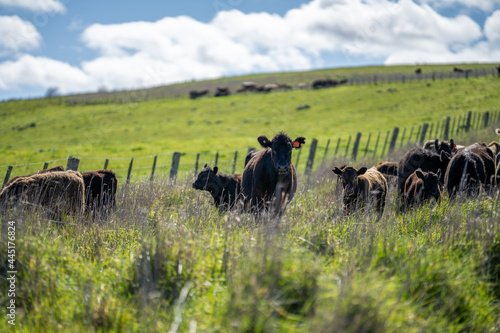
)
(296, 144)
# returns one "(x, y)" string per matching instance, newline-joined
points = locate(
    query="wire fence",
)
(175, 165)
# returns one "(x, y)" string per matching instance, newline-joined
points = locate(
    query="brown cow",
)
(53, 169)
(269, 178)
(420, 187)
(100, 189)
(388, 168)
(225, 189)
(222, 91)
(58, 192)
(362, 187)
(418, 71)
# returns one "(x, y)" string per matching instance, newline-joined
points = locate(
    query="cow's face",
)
(349, 178)
(281, 150)
(431, 182)
(205, 178)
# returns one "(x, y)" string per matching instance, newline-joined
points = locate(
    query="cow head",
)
(449, 148)
(207, 179)
(349, 177)
(281, 150)
(431, 182)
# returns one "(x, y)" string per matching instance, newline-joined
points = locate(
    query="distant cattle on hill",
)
(458, 70)
(225, 189)
(362, 187)
(58, 193)
(418, 71)
(327, 83)
(222, 91)
(193, 94)
(269, 178)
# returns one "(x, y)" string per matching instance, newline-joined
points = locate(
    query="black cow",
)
(488, 156)
(225, 189)
(465, 173)
(193, 94)
(222, 91)
(419, 158)
(437, 146)
(100, 189)
(418, 71)
(269, 178)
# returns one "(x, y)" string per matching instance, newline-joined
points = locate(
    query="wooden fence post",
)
(469, 116)
(394, 138)
(459, 123)
(356, 146)
(337, 148)
(7, 175)
(376, 144)
(424, 132)
(234, 162)
(153, 170)
(310, 160)
(196, 163)
(73, 163)
(402, 138)
(385, 143)
(367, 143)
(129, 173)
(486, 118)
(430, 131)
(347, 148)
(175, 165)
(446, 134)
(326, 152)
(409, 137)
(216, 158)
(452, 128)
(418, 134)
(45, 165)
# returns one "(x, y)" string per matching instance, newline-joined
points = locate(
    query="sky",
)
(86, 46)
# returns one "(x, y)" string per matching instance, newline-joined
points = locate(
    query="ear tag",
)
(454, 146)
(296, 144)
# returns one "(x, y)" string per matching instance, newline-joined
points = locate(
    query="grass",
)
(166, 260)
(143, 129)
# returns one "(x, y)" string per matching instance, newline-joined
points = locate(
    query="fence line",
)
(444, 128)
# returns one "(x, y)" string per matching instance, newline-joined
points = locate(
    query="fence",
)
(379, 144)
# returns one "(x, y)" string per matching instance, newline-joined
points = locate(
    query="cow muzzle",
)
(282, 170)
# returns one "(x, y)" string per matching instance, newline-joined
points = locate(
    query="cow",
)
(194, 94)
(437, 146)
(362, 187)
(418, 71)
(388, 168)
(324, 83)
(420, 187)
(465, 173)
(222, 91)
(225, 189)
(60, 193)
(269, 179)
(488, 157)
(100, 189)
(458, 70)
(425, 160)
(53, 169)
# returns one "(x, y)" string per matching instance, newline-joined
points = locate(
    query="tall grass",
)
(166, 260)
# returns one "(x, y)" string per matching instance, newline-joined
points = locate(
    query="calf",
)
(60, 193)
(100, 189)
(225, 189)
(465, 173)
(388, 168)
(361, 187)
(420, 187)
(437, 146)
(269, 178)
(419, 158)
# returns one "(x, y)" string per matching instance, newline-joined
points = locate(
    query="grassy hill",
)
(53, 129)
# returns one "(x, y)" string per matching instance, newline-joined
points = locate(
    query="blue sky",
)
(83, 46)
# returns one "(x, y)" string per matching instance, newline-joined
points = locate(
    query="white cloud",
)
(173, 49)
(17, 35)
(36, 5)
(42, 72)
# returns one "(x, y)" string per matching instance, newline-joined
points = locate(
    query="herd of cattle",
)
(269, 180)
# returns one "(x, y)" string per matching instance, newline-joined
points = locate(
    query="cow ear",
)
(444, 157)
(264, 141)
(337, 171)
(419, 174)
(205, 165)
(452, 144)
(438, 174)
(216, 169)
(297, 143)
(362, 170)
(437, 145)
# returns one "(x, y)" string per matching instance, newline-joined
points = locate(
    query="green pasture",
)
(120, 131)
